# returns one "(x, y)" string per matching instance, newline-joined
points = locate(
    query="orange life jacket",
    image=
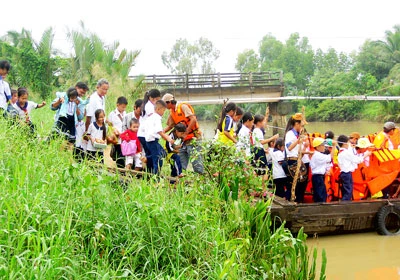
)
(179, 117)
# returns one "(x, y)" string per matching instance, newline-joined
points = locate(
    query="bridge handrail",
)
(215, 80)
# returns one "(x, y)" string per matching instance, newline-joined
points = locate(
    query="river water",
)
(361, 256)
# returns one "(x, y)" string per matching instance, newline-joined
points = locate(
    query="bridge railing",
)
(216, 80)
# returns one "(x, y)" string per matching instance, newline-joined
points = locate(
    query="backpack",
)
(128, 148)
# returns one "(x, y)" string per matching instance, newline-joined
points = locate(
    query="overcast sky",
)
(233, 26)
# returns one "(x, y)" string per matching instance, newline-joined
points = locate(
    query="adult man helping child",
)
(184, 113)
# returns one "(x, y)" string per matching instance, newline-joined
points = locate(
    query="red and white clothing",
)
(149, 108)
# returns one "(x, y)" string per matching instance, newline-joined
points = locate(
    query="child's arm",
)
(166, 137)
(227, 134)
(41, 105)
(273, 138)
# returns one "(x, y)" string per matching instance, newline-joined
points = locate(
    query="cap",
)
(167, 97)
(364, 143)
(328, 143)
(318, 141)
(389, 125)
(299, 117)
(355, 135)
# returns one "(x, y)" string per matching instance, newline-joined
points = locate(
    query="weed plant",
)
(64, 220)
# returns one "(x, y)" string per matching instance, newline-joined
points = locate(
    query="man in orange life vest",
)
(184, 113)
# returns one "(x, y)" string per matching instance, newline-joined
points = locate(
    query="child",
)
(225, 124)
(320, 163)
(259, 157)
(23, 107)
(97, 136)
(137, 110)
(245, 139)
(14, 96)
(348, 161)
(115, 119)
(153, 132)
(67, 115)
(131, 135)
(236, 121)
(149, 101)
(278, 174)
(172, 149)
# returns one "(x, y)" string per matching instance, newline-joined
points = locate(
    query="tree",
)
(270, 49)
(187, 58)
(247, 61)
(90, 51)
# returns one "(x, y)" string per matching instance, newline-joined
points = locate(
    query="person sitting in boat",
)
(382, 140)
(348, 162)
(293, 144)
(320, 163)
(363, 144)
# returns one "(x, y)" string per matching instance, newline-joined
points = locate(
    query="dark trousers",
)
(67, 127)
(120, 158)
(300, 186)
(79, 154)
(146, 149)
(176, 165)
(347, 180)
(157, 154)
(319, 188)
(280, 185)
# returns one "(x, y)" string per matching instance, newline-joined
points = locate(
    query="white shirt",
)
(347, 160)
(96, 102)
(257, 137)
(95, 133)
(116, 118)
(290, 137)
(127, 119)
(244, 140)
(153, 126)
(25, 115)
(79, 131)
(149, 108)
(277, 170)
(306, 157)
(4, 90)
(320, 163)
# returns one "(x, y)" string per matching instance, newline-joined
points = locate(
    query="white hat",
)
(167, 97)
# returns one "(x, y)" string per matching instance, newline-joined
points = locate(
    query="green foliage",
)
(191, 58)
(34, 65)
(63, 220)
(247, 61)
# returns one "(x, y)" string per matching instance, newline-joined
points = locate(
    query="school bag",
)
(128, 148)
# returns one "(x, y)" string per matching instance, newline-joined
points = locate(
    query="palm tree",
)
(391, 45)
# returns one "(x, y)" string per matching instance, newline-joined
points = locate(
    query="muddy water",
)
(359, 256)
(362, 256)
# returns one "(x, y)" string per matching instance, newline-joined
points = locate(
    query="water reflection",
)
(360, 256)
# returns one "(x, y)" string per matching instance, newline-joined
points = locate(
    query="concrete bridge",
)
(215, 88)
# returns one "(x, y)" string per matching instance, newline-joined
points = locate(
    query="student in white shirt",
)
(97, 135)
(153, 132)
(319, 165)
(149, 101)
(5, 91)
(244, 136)
(116, 118)
(97, 101)
(135, 114)
(23, 107)
(348, 162)
(282, 188)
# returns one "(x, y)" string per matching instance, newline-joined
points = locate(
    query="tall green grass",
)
(63, 220)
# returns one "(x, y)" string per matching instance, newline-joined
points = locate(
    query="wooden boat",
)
(339, 217)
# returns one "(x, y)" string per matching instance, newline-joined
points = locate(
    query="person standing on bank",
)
(116, 118)
(97, 101)
(184, 113)
(293, 144)
(5, 91)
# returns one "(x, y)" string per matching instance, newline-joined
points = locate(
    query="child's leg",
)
(147, 151)
(319, 188)
(156, 156)
(280, 187)
(176, 166)
(347, 179)
(129, 162)
(138, 162)
(120, 158)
